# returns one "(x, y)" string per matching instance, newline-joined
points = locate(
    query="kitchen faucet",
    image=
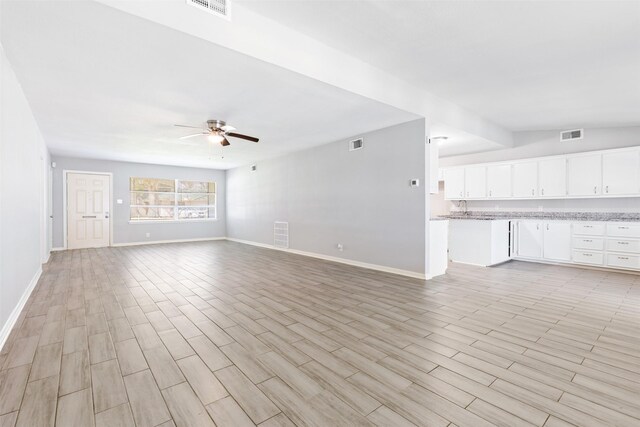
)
(463, 204)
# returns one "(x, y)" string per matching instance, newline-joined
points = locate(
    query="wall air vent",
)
(217, 7)
(281, 234)
(570, 135)
(356, 144)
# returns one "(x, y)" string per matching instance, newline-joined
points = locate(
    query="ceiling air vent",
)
(356, 144)
(216, 7)
(570, 135)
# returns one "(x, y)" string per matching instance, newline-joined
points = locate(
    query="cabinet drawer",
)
(592, 243)
(591, 229)
(622, 245)
(584, 257)
(623, 230)
(624, 261)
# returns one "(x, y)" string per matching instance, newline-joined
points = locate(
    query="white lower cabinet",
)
(613, 245)
(623, 261)
(548, 240)
(607, 244)
(557, 241)
(586, 257)
(529, 239)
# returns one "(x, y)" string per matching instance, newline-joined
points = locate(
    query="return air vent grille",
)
(356, 144)
(216, 7)
(281, 234)
(570, 135)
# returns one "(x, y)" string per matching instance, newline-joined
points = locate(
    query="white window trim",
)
(175, 206)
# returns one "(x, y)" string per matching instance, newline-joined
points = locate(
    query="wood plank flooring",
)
(224, 334)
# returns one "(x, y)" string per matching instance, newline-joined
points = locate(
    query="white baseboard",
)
(157, 242)
(13, 318)
(376, 267)
(58, 249)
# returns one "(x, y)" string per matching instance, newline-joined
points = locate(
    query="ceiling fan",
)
(218, 131)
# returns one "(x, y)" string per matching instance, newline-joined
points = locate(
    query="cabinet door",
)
(525, 179)
(557, 241)
(499, 181)
(553, 177)
(529, 235)
(621, 172)
(585, 175)
(454, 184)
(475, 182)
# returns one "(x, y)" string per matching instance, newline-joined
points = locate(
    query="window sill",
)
(171, 221)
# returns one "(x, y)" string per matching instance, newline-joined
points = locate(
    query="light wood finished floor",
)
(194, 334)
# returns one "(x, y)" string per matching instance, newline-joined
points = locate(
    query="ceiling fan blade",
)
(224, 141)
(187, 126)
(241, 136)
(195, 134)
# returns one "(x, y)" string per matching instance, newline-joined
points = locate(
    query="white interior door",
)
(88, 198)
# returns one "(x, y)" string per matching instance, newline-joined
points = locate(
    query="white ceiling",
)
(105, 84)
(459, 142)
(526, 65)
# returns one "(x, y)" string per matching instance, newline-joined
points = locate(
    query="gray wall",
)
(23, 160)
(547, 143)
(123, 232)
(329, 195)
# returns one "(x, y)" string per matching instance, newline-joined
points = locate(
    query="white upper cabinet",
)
(614, 173)
(499, 181)
(454, 184)
(475, 182)
(621, 172)
(553, 177)
(585, 175)
(525, 179)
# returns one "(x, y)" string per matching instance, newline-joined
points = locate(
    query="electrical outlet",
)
(340, 247)
(148, 234)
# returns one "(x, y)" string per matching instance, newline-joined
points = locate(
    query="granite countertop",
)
(566, 216)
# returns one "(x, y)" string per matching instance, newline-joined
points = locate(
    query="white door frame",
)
(65, 172)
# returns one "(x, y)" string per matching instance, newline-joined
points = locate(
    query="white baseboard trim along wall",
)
(157, 242)
(15, 314)
(376, 267)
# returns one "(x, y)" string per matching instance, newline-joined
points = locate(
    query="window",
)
(154, 199)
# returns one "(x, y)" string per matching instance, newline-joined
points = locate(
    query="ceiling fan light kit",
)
(217, 132)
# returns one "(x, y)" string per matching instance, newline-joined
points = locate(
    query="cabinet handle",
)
(547, 227)
(461, 194)
(587, 240)
(588, 226)
(623, 243)
(585, 254)
(537, 226)
(623, 228)
(89, 216)
(595, 189)
(489, 193)
(606, 189)
(533, 192)
(543, 191)
(623, 257)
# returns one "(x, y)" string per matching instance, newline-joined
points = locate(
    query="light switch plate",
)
(119, 201)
